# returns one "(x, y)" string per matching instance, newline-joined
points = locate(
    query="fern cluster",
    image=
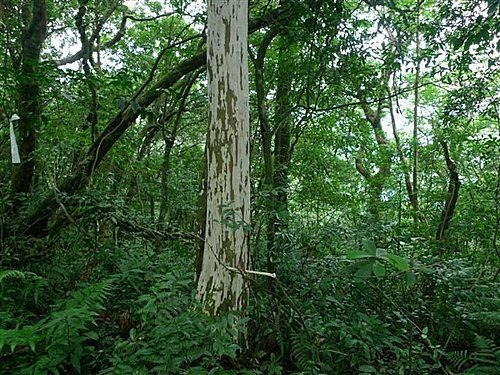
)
(484, 359)
(61, 339)
(174, 336)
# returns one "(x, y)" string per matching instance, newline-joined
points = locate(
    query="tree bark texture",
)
(221, 285)
(29, 99)
(377, 181)
(278, 217)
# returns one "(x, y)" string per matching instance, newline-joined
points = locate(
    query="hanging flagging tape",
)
(13, 143)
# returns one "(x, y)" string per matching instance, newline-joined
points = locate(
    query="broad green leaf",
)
(367, 369)
(364, 269)
(92, 335)
(378, 269)
(381, 253)
(132, 334)
(135, 106)
(410, 278)
(32, 345)
(357, 254)
(369, 246)
(76, 356)
(398, 262)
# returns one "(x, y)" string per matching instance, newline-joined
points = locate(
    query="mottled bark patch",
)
(228, 183)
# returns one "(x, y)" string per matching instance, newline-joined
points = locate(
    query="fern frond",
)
(484, 360)
(92, 296)
(16, 274)
(487, 353)
(458, 358)
(301, 351)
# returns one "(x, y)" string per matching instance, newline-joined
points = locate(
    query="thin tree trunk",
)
(414, 197)
(402, 159)
(169, 140)
(278, 217)
(266, 140)
(375, 182)
(92, 117)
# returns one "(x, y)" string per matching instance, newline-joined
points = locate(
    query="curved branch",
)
(114, 40)
(360, 166)
(452, 197)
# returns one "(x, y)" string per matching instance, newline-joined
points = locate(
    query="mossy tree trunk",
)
(221, 283)
(29, 101)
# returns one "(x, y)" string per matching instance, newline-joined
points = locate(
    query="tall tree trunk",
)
(266, 135)
(222, 284)
(375, 182)
(414, 191)
(29, 99)
(282, 144)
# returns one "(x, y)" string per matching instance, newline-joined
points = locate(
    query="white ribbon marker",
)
(13, 144)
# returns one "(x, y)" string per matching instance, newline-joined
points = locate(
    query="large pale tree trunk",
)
(221, 283)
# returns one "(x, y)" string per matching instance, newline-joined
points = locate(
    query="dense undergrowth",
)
(105, 302)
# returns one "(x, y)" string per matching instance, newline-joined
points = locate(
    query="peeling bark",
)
(228, 160)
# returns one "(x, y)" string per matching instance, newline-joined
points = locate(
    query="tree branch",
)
(452, 197)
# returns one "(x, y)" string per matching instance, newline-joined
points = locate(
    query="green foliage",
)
(174, 336)
(373, 261)
(19, 291)
(64, 337)
(108, 288)
(484, 359)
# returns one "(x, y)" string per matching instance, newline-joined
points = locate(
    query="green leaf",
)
(425, 331)
(76, 355)
(411, 278)
(378, 269)
(381, 253)
(357, 254)
(367, 369)
(364, 269)
(92, 335)
(135, 106)
(32, 345)
(398, 262)
(369, 246)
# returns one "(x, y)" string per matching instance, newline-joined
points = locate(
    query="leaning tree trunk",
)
(221, 283)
